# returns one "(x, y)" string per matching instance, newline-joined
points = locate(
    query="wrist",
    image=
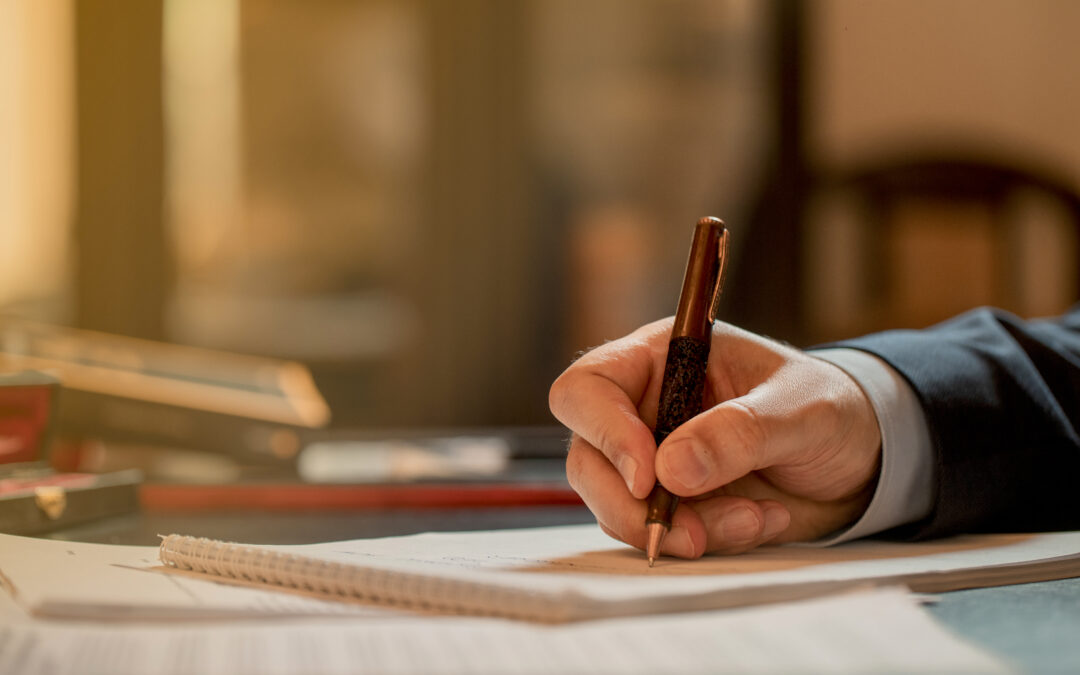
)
(903, 491)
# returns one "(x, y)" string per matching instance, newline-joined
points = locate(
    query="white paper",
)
(879, 631)
(579, 563)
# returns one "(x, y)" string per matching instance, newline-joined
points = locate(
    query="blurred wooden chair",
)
(908, 241)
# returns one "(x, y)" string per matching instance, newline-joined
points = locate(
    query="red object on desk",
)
(25, 402)
(294, 497)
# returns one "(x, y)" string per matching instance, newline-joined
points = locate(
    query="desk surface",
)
(1032, 626)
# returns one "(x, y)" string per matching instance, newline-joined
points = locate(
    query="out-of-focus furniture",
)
(907, 241)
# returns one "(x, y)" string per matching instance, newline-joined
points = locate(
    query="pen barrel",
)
(683, 384)
(700, 289)
(680, 399)
(688, 355)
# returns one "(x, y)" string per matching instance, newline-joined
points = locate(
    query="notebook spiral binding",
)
(223, 560)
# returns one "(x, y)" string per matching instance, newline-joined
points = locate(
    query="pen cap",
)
(702, 283)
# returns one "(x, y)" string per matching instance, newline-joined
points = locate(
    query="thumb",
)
(778, 422)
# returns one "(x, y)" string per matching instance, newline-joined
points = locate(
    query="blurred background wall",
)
(436, 204)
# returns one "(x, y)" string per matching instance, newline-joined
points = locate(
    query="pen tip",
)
(656, 537)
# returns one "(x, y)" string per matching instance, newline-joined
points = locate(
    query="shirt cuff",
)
(905, 488)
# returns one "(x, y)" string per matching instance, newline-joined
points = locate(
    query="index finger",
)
(598, 396)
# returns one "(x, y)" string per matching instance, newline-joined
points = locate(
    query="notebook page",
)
(878, 631)
(580, 559)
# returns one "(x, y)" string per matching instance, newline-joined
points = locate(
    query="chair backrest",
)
(909, 241)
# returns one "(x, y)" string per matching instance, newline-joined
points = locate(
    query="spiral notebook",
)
(573, 573)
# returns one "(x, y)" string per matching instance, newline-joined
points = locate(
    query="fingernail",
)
(740, 525)
(688, 463)
(776, 521)
(678, 542)
(627, 469)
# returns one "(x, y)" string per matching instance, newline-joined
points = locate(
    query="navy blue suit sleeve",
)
(1002, 399)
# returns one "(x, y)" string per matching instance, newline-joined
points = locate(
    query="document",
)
(882, 630)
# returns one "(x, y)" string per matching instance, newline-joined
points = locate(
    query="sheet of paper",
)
(112, 582)
(879, 631)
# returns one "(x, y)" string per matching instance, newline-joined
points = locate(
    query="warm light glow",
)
(202, 126)
(36, 155)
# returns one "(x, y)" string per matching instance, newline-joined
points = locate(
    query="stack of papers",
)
(411, 604)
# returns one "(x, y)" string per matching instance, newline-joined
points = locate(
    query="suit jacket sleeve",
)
(1002, 399)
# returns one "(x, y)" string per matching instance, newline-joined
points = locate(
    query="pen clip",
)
(721, 263)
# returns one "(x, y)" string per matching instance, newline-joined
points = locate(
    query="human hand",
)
(787, 447)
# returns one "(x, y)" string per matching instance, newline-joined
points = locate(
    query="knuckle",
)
(747, 434)
(826, 415)
(608, 440)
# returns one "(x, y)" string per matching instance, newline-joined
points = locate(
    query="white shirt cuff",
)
(905, 488)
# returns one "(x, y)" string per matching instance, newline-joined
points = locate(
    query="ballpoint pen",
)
(688, 354)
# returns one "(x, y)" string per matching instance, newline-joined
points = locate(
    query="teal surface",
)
(1033, 627)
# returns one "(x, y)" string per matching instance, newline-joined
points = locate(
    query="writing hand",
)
(787, 447)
